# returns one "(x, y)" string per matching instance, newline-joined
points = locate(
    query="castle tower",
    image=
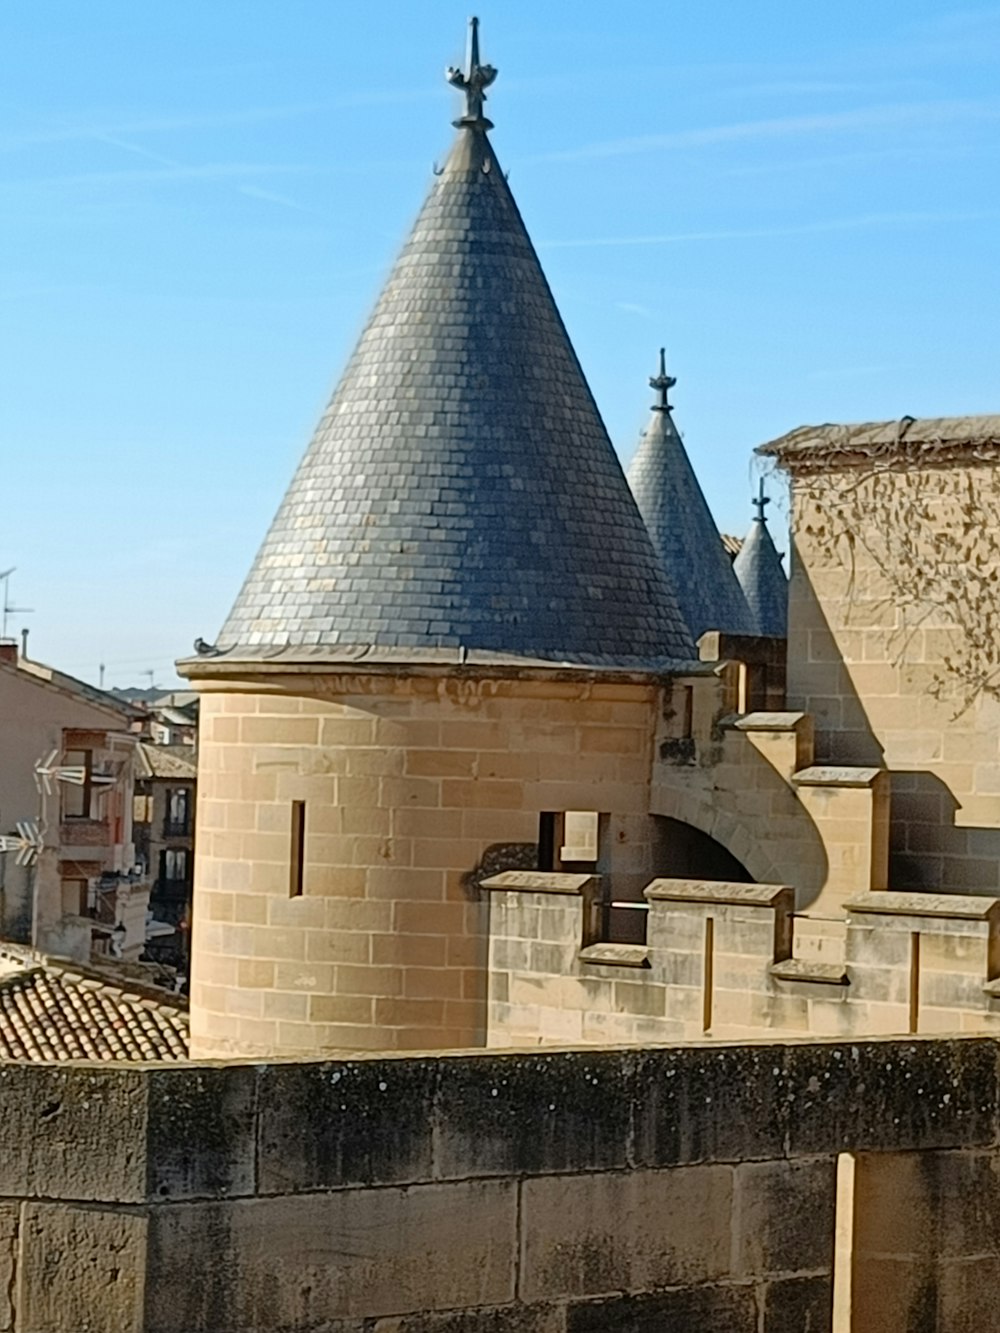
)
(455, 623)
(759, 570)
(681, 526)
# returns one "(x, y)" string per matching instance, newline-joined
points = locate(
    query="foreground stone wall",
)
(558, 1192)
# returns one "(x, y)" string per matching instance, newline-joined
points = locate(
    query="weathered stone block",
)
(708, 1309)
(636, 1231)
(799, 1305)
(900, 1095)
(784, 1216)
(501, 1114)
(302, 1262)
(80, 1268)
(73, 1133)
(345, 1123)
(507, 1319)
(10, 1214)
(708, 1104)
(968, 1295)
(201, 1132)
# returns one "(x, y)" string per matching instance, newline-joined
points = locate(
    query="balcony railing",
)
(177, 828)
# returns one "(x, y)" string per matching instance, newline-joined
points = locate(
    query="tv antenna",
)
(8, 609)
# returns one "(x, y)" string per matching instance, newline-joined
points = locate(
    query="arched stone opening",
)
(686, 852)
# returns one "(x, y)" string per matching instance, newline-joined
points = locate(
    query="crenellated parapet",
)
(721, 961)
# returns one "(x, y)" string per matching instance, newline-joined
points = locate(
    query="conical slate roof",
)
(761, 576)
(678, 520)
(460, 492)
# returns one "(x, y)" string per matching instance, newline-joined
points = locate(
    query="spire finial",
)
(760, 502)
(662, 383)
(473, 82)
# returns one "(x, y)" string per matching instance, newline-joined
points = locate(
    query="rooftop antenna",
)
(152, 677)
(8, 608)
(100, 674)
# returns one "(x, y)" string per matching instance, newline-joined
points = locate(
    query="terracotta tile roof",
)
(168, 761)
(731, 545)
(53, 1011)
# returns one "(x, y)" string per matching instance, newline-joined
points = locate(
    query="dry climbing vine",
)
(933, 536)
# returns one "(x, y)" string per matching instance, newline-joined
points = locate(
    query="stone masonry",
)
(606, 1191)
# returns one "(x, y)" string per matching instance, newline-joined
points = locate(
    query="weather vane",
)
(663, 383)
(473, 82)
(760, 502)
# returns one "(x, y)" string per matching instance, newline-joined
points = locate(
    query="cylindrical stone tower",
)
(454, 623)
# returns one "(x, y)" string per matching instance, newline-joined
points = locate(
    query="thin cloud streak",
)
(860, 120)
(214, 171)
(760, 233)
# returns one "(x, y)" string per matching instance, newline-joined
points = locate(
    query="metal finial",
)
(663, 383)
(760, 502)
(473, 82)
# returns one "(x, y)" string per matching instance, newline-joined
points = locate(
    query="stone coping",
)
(615, 955)
(836, 775)
(802, 969)
(887, 903)
(768, 721)
(236, 664)
(719, 891)
(539, 881)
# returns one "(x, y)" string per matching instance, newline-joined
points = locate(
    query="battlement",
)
(734, 961)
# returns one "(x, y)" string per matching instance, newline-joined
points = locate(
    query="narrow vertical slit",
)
(687, 712)
(298, 853)
(546, 840)
(914, 982)
(708, 979)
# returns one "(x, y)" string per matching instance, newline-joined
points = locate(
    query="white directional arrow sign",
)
(27, 843)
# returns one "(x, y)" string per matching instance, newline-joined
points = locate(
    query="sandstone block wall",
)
(722, 961)
(893, 618)
(557, 1192)
(412, 787)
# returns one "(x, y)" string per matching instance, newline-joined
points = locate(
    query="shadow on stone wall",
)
(927, 849)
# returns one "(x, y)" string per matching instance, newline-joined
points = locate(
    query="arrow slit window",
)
(78, 798)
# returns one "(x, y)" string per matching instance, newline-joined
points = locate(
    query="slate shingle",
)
(762, 578)
(682, 529)
(461, 491)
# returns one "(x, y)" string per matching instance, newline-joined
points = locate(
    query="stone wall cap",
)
(769, 721)
(917, 440)
(321, 660)
(539, 881)
(718, 891)
(615, 955)
(804, 969)
(836, 775)
(887, 903)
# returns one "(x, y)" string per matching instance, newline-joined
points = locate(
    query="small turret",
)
(761, 576)
(680, 523)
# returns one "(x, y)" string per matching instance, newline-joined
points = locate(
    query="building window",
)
(175, 864)
(178, 821)
(74, 897)
(78, 798)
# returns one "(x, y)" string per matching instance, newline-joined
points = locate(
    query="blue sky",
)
(199, 201)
